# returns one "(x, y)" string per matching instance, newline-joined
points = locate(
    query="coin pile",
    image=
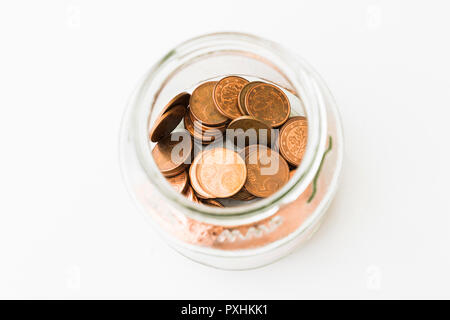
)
(198, 163)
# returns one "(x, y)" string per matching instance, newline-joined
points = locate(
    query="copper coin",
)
(251, 197)
(202, 105)
(248, 130)
(194, 180)
(242, 93)
(199, 196)
(267, 174)
(226, 95)
(245, 151)
(222, 172)
(195, 133)
(188, 125)
(243, 195)
(176, 171)
(173, 153)
(293, 138)
(212, 203)
(189, 193)
(179, 99)
(165, 124)
(194, 198)
(268, 103)
(207, 130)
(179, 182)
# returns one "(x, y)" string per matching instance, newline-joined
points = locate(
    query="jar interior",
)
(216, 65)
(213, 66)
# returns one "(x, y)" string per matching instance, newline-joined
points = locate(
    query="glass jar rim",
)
(317, 132)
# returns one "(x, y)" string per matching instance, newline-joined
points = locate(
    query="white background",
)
(68, 228)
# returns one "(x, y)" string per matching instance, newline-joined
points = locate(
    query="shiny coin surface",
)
(293, 138)
(226, 95)
(267, 172)
(268, 103)
(202, 105)
(165, 124)
(212, 203)
(194, 178)
(179, 182)
(180, 99)
(172, 153)
(247, 130)
(242, 93)
(221, 172)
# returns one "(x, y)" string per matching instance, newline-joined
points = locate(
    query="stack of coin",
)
(201, 132)
(218, 172)
(204, 121)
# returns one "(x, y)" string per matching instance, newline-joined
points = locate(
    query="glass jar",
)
(246, 236)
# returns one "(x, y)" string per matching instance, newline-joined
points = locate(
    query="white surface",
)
(67, 226)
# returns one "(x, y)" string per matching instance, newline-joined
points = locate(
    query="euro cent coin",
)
(166, 123)
(267, 171)
(202, 105)
(268, 103)
(293, 139)
(226, 95)
(222, 172)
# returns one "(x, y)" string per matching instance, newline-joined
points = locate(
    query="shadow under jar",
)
(254, 234)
